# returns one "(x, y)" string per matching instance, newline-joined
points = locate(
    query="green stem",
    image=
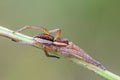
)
(15, 36)
(104, 73)
(29, 40)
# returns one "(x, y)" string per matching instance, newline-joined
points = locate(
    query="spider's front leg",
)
(73, 46)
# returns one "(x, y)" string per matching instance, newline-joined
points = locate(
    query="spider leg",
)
(73, 46)
(57, 31)
(48, 55)
(33, 27)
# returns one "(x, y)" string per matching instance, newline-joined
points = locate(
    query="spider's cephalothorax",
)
(61, 42)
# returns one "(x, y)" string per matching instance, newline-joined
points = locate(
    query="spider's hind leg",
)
(57, 31)
(48, 55)
(33, 27)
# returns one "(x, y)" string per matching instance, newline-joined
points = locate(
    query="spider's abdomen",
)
(45, 37)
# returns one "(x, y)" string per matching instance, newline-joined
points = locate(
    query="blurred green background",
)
(94, 25)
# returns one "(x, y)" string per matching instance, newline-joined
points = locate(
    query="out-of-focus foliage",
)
(94, 25)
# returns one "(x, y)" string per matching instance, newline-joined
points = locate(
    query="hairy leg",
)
(57, 31)
(33, 27)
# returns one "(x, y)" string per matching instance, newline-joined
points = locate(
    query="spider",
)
(58, 44)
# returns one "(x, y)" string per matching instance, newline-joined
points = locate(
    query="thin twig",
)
(21, 38)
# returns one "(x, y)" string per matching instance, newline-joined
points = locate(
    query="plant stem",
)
(21, 38)
(104, 73)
